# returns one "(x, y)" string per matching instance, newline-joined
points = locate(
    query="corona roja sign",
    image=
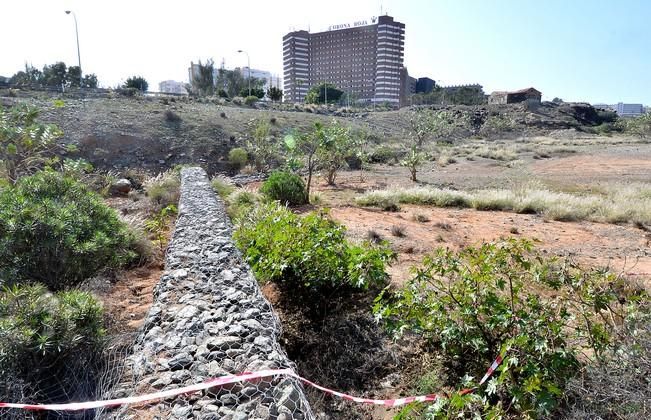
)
(355, 24)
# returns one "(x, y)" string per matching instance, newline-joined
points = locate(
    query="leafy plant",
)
(158, 224)
(503, 299)
(285, 187)
(413, 161)
(335, 144)
(26, 145)
(55, 231)
(307, 254)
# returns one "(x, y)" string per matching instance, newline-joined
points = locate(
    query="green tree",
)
(275, 94)
(203, 81)
(26, 145)
(31, 76)
(317, 94)
(55, 74)
(255, 91)
(136, 82)
(90, 81)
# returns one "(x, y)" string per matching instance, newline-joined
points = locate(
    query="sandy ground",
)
(625, 249)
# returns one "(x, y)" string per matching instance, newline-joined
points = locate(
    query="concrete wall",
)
(209, 319)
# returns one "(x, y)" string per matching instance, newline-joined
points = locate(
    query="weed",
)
(421, 218)
(443, 226)
(374, 237)
(399, 231)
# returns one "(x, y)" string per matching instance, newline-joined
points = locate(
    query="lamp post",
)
(248, 62)
(78, 53)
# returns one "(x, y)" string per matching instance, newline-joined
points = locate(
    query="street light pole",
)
(78, 53)
(248, 62)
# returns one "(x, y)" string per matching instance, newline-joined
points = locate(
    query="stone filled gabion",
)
(208, 319)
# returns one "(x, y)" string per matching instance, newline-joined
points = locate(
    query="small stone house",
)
(522, 95)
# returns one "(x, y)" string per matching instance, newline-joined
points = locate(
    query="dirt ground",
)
(625, 249)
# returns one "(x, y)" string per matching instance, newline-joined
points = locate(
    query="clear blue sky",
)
(581, 50)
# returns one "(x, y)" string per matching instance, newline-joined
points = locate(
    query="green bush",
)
(307, 254)
(55, 231)
(285, 187)
(44, 337)
(503, 299)
(238, 158)
(250, 100)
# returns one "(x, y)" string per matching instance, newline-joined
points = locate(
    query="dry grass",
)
(618, 204)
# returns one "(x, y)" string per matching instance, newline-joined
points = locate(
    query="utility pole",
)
(248, 61)
(78, 53)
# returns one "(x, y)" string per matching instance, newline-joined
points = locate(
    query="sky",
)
(597, 51)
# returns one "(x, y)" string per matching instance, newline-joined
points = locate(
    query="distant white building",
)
(604, 107)
(269, 79)
(629, 110)
(172, 86)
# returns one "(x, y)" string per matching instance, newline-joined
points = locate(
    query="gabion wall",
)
(208, 319)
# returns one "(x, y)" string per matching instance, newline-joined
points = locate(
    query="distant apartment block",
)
(172, 86)
(629, 110)
(364, 59)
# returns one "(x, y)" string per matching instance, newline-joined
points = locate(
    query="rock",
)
(187, 312)
(180, 361)
(224, 343)
(120, 187)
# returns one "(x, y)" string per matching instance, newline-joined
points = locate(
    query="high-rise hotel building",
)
(364, 59)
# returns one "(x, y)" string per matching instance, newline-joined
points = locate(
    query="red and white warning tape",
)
(230, 379)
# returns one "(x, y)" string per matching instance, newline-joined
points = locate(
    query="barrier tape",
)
(230, 379)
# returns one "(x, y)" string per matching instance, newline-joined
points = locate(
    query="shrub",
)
(238, 158)
(55, 231)
(384, 154)
(48, 342)
(26, 145)
(172, 117)
(307, 254)
(222, 114)
(285, 187)
(619, 386)
(399, 231)
(240, 202)
(413, 161)
(473, 306)
(222, 186)
(250, 100)
(164, 189)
